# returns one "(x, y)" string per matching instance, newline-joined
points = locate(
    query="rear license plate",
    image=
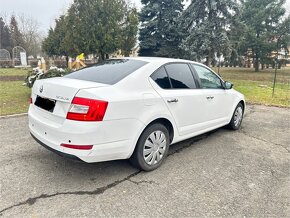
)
(45, 103)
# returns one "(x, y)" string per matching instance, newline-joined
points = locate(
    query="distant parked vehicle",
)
(131, 108)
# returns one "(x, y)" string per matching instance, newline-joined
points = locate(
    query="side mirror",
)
(228, 85)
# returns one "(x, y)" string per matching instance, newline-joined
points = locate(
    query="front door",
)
(218, 100)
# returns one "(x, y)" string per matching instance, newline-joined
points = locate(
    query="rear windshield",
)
(108, 72)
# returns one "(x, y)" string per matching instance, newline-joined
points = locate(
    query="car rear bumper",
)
(111, 140)
(56, 151)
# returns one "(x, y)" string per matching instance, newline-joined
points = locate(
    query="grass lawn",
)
(4, 72)
(231, 73)
(261, 93)
(257, 87)
(13, 97)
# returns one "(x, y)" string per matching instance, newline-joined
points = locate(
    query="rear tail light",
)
(84, 109)
(30, 100)
(79, 147)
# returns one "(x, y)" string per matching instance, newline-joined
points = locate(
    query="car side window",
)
(180, 76)
(161, 78)
(207, 78)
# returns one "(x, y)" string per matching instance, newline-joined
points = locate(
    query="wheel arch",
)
(244, 104)
(237, 101)
(164, 121)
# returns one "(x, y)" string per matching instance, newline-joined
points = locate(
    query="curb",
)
(266, 105)
(13, 115)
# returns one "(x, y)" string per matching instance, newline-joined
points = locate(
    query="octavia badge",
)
(41, 89)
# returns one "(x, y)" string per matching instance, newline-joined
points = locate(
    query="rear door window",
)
(180, 76)
(108, 72)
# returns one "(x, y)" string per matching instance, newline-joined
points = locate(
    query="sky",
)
(46, 11)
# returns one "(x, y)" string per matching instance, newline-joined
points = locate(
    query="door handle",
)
(174, 100)
(209, 97)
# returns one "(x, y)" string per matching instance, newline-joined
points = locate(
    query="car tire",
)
(237, 117)
(151, 148)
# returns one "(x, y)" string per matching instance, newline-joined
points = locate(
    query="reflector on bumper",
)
(78, 147)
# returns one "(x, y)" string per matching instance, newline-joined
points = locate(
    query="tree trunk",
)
(126, 53)
(208, 59)
(102, 56)
(257, 50)
(256, 62)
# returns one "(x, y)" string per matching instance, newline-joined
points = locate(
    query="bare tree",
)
(32, 36)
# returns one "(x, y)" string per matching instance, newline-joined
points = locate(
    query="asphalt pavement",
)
(222, 173)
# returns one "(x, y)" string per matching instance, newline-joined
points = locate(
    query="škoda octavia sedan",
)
(131, 108)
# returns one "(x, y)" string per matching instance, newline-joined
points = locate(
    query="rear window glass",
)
(108, 72)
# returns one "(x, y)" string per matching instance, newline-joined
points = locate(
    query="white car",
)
(131, 108)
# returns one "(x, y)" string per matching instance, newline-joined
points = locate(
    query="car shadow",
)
(96, 171)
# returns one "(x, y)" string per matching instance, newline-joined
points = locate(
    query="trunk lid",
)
(59, 92)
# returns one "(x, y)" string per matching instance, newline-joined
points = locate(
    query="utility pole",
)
(276, 66)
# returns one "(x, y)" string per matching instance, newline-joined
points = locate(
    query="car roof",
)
(158, 59)
(163, 60)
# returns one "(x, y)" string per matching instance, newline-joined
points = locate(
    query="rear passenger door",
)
(178, 89)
